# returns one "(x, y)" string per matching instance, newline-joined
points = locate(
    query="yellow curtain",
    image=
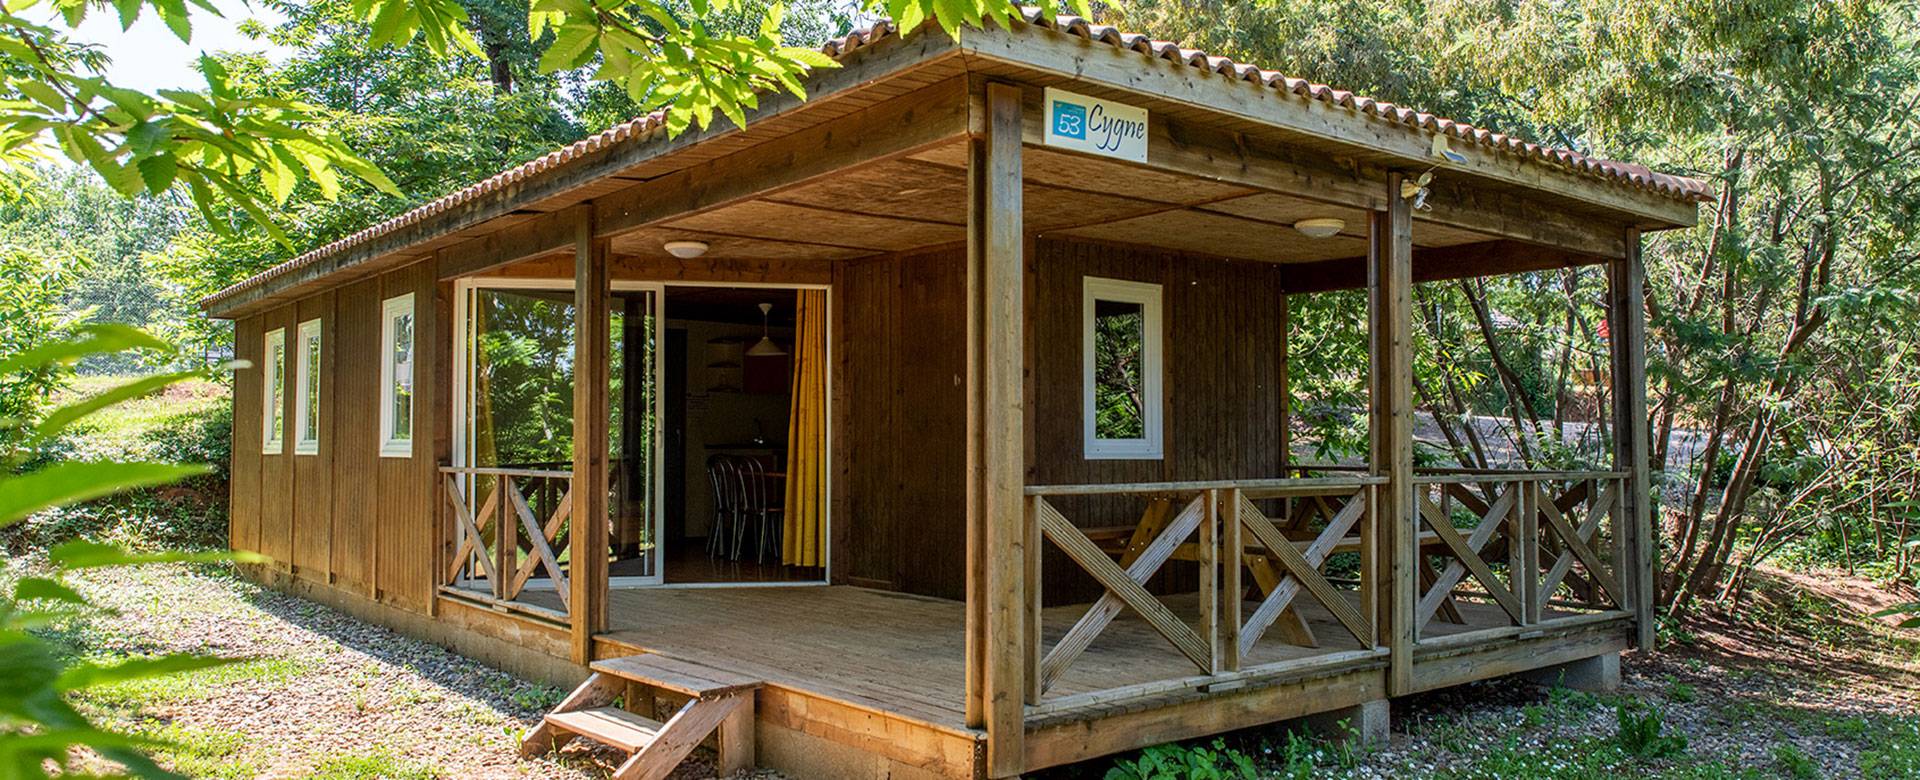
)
(807, 435)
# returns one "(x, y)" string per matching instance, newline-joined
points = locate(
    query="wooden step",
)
(609, 725)
(719, 700)
(683, 677)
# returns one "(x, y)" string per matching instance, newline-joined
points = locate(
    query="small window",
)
(306, 405)
(274, 393)
(396, 377)
(1120, 344)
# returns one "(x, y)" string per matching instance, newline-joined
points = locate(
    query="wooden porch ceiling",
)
(920, 200)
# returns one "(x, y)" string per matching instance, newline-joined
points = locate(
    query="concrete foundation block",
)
(1599, 674)
(1366, 723)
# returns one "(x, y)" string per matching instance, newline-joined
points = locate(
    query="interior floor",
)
(688, 562)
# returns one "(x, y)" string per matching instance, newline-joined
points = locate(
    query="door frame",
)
(826, 527)
(462, 403)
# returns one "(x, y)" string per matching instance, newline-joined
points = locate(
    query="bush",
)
(188, 515)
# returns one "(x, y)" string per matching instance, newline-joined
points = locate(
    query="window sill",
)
(399, 449)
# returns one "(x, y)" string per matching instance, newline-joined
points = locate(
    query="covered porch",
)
(996, 594)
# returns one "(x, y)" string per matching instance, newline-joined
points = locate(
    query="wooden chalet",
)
(936, 425)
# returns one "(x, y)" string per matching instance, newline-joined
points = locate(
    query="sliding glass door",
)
(515, 367)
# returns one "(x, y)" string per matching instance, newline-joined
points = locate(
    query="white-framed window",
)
(396, 376)
(306, 384)
(1121, 344)
(273, 393)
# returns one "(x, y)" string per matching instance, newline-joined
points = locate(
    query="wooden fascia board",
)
(1068, 56)
(1191, 149)
(889, 57)
(1487, 258)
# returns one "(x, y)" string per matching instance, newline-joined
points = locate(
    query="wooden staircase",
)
(717, 700)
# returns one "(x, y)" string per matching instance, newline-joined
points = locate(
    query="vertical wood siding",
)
(312, 477)
(243, 509)
(403, 518)
(355, 428)
(901, 354)
(276, 468)
(1221, 364)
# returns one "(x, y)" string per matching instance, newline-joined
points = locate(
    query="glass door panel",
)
(634, 432)
(518, 373)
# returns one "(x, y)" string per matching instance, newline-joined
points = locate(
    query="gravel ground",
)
(326, 693)
(328, 696)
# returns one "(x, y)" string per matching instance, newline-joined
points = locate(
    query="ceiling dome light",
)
(686, 250)
(1321, 227)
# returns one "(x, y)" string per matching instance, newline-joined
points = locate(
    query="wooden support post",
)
(1210, 558)
(1532, 606)
(1390, 302)
(506, 540)
(1627, 328)
(587, 542)
(1232, 591)
(1036, 687)
(1285, 391)
(997, 535)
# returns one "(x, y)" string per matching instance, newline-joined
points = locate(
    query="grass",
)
(197, 685)
(204, 753)
(373, 766)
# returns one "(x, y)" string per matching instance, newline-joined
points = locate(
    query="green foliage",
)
(1641, 734)
(1793, 762)
(1903, 609)
(375, 766)
(220, 145)
(39, 726)
(1186, 762)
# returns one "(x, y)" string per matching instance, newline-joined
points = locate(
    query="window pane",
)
(279, 391)
(522, 414)
(403, 377)
(311, 424)
(1119, 376)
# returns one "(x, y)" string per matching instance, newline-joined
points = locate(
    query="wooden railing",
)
(504, 541)
(1285, 546)
(1540, 546)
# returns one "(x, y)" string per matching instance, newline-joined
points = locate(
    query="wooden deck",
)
(904, 654)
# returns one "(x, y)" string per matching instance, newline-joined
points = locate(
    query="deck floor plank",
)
(903, 653)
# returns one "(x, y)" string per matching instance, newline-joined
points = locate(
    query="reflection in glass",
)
(1119, 391)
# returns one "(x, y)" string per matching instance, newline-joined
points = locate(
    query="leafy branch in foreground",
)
(40, 729)
(222, 145)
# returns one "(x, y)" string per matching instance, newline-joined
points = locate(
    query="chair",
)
(729, 494)
(759, 506)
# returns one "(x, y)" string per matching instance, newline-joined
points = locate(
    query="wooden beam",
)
(529, 238)
(1627, 330)
(899, 126)
(997, 537)
(1390, 302)
(1106, 70)
(1487, 258)
(587, 541)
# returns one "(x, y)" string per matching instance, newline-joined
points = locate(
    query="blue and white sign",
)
(1095, 126)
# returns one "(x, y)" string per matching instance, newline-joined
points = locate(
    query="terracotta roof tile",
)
(1640, 175)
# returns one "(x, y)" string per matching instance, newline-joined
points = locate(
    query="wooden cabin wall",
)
(312, 515)
(344, 516)
(900, 400)
(243, 502)
(1222, 361)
